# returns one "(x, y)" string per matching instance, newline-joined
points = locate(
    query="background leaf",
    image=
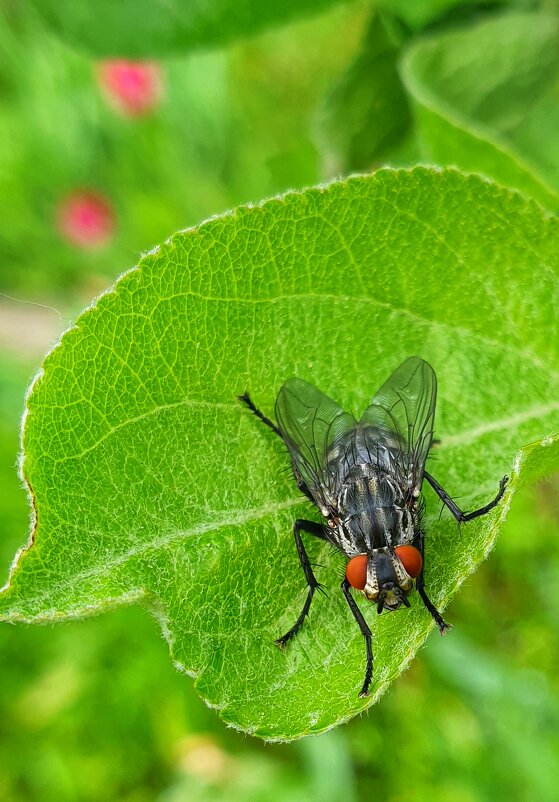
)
(152, 484)
(365, 114)
(143, 28)
(479, 93)
(420, 15)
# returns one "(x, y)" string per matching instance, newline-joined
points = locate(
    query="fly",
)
(365, 477)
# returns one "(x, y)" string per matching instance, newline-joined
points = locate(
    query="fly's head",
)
(385, 575)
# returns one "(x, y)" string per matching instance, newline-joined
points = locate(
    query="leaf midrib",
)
(231, 518)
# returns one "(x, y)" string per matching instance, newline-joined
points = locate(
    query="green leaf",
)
(143, 28)
(152, 484)
(472, 88)
(365, 114)
(420, 15)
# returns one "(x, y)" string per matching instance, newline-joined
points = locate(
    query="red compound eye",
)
(356, 571)
(410, 558)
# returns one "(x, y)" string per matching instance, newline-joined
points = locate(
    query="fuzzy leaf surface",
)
(152, 484)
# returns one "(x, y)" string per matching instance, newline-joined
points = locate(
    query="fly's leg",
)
(246, 399)
(318, 531)
(460, 516)
(365, 631)
(420, 587)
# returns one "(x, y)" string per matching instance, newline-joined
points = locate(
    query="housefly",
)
(365, 477)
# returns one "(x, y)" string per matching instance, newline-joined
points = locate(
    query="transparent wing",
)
(311, 425)
(405, 406)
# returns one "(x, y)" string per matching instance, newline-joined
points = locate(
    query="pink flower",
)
(85, 219)
(131, 87)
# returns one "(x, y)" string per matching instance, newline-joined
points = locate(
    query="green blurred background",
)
(94, 710)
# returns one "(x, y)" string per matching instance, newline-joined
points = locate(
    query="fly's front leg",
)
(246, 399)
(365, 631)
(460, 516)
(420, 587)
(318, 531)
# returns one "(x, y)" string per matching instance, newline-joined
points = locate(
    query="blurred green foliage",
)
(480, 92)
(131, 28)
(94, 710)
(232, 127)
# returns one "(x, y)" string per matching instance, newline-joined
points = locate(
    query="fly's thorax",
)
(374, 511)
